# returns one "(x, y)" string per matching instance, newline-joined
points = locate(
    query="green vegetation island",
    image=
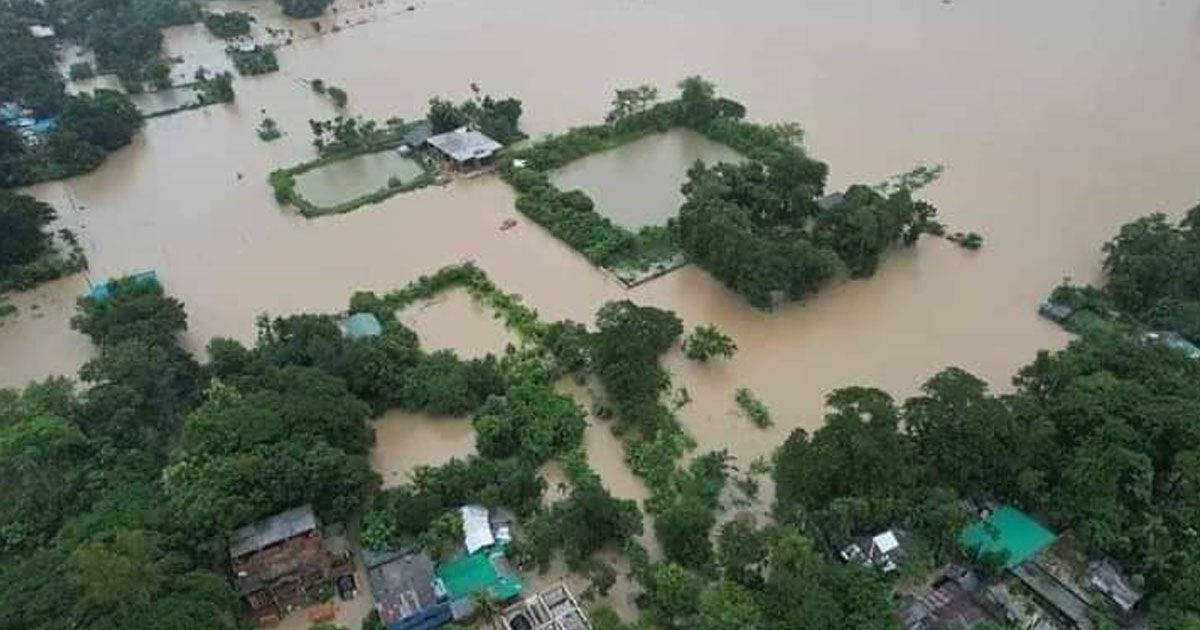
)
(345, 138)
(763, 227)
(120, 493)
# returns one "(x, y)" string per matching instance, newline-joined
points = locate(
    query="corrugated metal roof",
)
(831, 201)
(417, 133)
(464, 144)
(477, 530)
(1109, 580)
(269, 531)
(402, 585)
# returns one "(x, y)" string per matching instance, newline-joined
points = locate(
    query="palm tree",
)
(487, 609)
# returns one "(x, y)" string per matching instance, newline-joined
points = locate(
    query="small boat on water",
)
(508, 224)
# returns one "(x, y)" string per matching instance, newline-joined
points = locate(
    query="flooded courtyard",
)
(637, 184)
(150, 103)
(343, 180)
(406, 441)
(1056, 122)
(452, 320)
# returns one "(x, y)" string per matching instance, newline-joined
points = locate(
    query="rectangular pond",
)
(341, 181)
(637, 184)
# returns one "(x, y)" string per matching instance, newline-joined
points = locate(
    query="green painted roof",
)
(475, 572)
(1010, 531)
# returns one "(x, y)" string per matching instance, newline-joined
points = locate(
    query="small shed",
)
(361, 325)
(417, 134)
(41, 31)
(103, 290)
(1055, 311)
(883, 551)
(831, 201)
(403, 585)
(946, 605)
(10, 112)
(1175, 341)
(477, 529)
(1104, 576)
(465, 148)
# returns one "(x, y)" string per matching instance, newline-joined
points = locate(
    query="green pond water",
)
(342, 181)
(637, 184)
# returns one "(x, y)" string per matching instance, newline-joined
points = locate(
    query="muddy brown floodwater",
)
(1056, 122)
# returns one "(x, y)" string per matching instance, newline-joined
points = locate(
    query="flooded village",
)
(396, 306)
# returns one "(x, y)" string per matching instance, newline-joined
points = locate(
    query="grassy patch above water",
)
(755, 409)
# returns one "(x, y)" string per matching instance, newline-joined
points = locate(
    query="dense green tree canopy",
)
(304, 8)
(1100, 438)
(1153, 272)
(87, 538)
(228, 25)
(495, 118)
(531, 421)
(590, 518)
(683, 530)
(27, 71)
(41, 454)
(23, 235)
(706, 342)
(135, 310)
(793, 586)
(720, 232)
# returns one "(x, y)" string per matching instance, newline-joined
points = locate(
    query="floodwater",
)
(453, 321)
(344, 180)
(1056, 121)
(637, 184)
(406, 441)
(163, 100)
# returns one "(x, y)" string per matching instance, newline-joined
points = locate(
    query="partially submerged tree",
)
(706, 342)
(630, 101)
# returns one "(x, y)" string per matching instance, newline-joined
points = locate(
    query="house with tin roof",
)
(465, 149)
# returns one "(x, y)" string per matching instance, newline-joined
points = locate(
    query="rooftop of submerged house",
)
(464, 144)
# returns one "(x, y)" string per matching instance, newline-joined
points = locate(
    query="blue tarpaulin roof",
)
(42, 125)
(102, 290)
(362, 325)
